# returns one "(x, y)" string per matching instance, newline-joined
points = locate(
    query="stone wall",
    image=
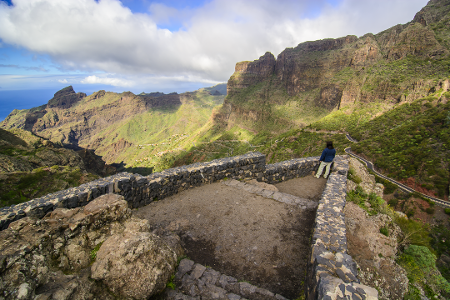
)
(289, 169)
(332, 272)
(139, 190)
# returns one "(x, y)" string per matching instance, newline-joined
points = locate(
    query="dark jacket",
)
(328, 155)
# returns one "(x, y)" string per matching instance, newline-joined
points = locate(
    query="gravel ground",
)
(243, 235)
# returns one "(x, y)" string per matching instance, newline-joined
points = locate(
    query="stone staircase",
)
(197, 282)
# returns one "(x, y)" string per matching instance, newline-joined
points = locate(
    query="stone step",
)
(270, 194)
(197, 282)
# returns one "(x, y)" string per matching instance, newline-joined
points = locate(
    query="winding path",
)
(369, 165)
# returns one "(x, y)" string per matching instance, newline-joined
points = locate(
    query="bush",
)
(415, 232)
(420, 264)
(376, 202)
(393, 202)
(447, 211)
(384, 230)
(357, 196)
(353, 177)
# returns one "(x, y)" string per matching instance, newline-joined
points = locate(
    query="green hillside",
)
(31, 167)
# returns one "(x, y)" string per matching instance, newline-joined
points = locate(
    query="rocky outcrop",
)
(94, 163)
(65, 98)
(37, 255)
(365, 179)
(249, 73)
(374, 253)
(20, 155)
(337, 73)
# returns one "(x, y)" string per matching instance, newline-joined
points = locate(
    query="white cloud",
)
(105, 36)
(107, 80)
(63, 81)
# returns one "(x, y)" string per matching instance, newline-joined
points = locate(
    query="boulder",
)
(134, 265)
(36, 256)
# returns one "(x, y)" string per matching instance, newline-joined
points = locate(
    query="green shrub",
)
(94, 251)
(353, 177)
(170, 284)
(415, 232)
(447, 211)
(420, 264)
(357, 196)
(393, 202)
(376, 202)
(441, 244)
(429, 210)
(384, 230)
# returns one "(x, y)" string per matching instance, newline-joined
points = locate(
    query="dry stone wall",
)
(332, 272)
(140, 190)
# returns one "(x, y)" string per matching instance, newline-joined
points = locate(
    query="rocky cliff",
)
(400, 64)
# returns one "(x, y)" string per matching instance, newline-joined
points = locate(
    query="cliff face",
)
(402, 63)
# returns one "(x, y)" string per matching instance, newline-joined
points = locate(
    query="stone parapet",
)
(332, 273)
(289, 169)
(140, 190)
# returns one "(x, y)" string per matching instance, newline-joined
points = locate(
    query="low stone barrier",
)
(331, 271)
(289, 169)
(140, 190)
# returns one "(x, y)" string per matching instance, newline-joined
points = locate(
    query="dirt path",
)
(243, 235)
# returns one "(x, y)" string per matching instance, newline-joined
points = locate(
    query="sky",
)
(165, 46)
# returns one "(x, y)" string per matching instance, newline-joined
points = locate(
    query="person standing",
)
(326, 159)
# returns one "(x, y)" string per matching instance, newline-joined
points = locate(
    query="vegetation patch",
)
(20, 187)
(419, 262)
(410, 142)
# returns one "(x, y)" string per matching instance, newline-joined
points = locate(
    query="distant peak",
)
(65, 98)
(65, 91)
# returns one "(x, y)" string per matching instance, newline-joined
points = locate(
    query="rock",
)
(36, 254)
(374, 252)
(135, 265)
(184, 267)
(24, 291)
(368, 183)
(266, 186)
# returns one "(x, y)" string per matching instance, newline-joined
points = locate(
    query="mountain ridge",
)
(332, 73)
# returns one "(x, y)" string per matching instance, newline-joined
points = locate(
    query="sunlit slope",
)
(124, 128)
(143, 140)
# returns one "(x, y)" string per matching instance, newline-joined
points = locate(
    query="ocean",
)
(22, 99)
